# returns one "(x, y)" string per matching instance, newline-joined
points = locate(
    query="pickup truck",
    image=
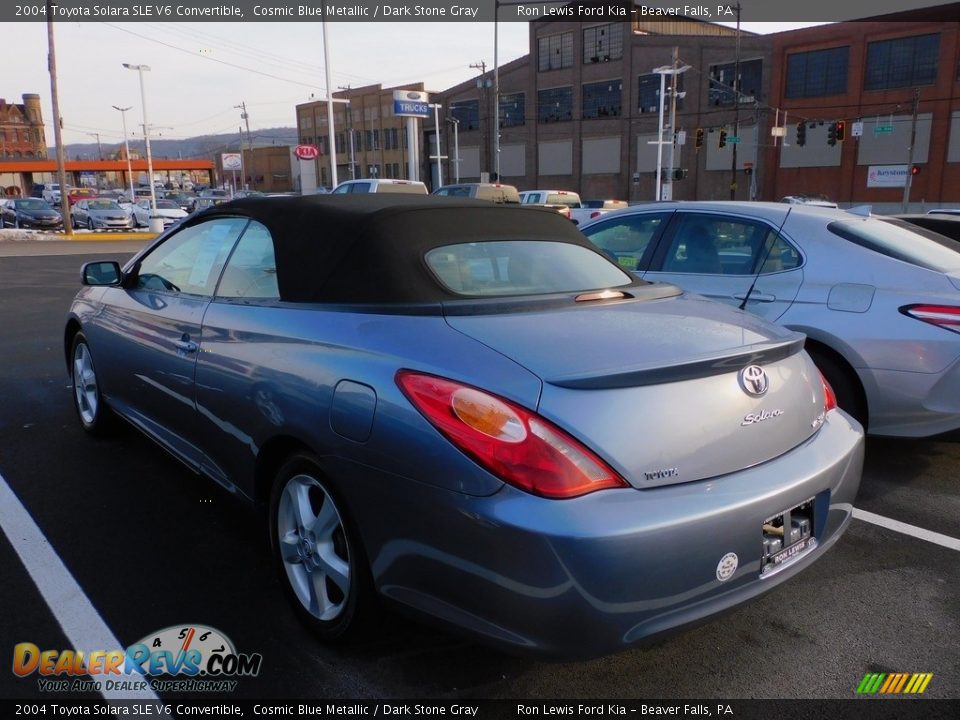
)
(568, 204)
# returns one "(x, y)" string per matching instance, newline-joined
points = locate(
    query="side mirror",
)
(101, 273)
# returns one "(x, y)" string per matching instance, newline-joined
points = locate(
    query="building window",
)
(555, 51)
(376, 140)
(602, 43)
(555, 105)
(513, 110)
(721, 82)
(817, 73)
(341, 144)
(648, 93)
(602, 99)
(467, 112)
(902, 62)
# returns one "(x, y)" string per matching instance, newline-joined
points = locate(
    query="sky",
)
(200, 71)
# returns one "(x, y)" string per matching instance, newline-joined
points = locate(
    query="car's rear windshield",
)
(563, 199)
(502, 268)
(897, 242)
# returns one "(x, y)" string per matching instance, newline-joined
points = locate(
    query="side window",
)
(626, 239)
(341, 189)
(251, 271)
(190, 261)
(718, 245)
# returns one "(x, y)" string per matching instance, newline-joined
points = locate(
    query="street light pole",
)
(246, 118)
(146, 135)
(331, 137)
(456, 147)
(99, 155)
(439, 155)
(126, 148)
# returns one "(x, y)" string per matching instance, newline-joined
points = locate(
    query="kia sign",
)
(411, 103)
(307, 152)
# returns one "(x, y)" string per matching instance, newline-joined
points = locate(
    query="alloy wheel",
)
(85, 384)
(313, 547)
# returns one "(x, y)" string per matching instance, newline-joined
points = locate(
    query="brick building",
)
(867, 74)
(378, 147)
(21, 130)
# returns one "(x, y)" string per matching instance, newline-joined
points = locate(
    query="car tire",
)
(90, 224)
(846, 387)
(318, 554)
(93, 412)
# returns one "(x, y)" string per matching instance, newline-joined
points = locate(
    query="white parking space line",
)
(80, 621)
(912, 530)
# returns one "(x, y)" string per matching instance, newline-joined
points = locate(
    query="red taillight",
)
(516, 445)
(829, 396)
(945, 316)
(595, 213)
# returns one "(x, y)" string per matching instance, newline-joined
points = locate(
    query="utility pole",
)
(353, 159)
(736, 111)
(913, 140)
(485, 99)
(57, 125)
(246, 118)
(331, 136)
(99, 155)
(673, 114)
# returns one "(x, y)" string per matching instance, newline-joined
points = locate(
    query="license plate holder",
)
(787, 535)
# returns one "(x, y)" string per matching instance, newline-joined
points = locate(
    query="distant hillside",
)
(194, 147)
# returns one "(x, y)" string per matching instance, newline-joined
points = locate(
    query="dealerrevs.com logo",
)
(180, 658)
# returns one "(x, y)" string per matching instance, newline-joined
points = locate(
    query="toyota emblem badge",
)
(754, 380)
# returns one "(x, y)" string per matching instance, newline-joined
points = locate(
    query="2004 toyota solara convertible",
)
(469, 411)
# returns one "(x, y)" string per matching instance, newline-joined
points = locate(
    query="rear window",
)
(898, 243)
(568, 199)
(522, 267)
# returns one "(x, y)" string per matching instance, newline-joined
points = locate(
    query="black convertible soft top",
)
(369, 248)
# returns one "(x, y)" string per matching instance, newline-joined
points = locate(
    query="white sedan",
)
(167, 210)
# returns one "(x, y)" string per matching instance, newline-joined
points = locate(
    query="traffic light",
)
(802, 133)
(723, 138)
(699, 138)
(841, 130)
(832, 134)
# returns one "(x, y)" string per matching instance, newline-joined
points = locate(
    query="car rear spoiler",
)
(704, 366)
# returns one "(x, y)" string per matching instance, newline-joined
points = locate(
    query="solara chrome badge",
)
(754, 380)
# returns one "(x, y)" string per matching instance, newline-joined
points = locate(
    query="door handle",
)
(186, 345)
(759, 297)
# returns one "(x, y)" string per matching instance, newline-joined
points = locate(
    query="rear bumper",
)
(603, 572)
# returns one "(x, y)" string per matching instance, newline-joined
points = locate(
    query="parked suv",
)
(375, 185)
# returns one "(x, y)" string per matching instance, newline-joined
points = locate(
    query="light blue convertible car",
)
(468, 411)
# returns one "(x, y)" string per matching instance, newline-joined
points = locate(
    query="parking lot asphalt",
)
(152, 545)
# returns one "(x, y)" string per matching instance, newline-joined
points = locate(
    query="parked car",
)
(184, 200)
(944, 225)
(563, 201)
(374, 185)
(204, 203)
(247, 193)
(167, 210)
(879, 303)
(101, 214)
(404, 400)
(51, 193)
(76, 194)
(816, 200)
(944, 211)
(493, 192)
(592, 209)
(29, 214)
